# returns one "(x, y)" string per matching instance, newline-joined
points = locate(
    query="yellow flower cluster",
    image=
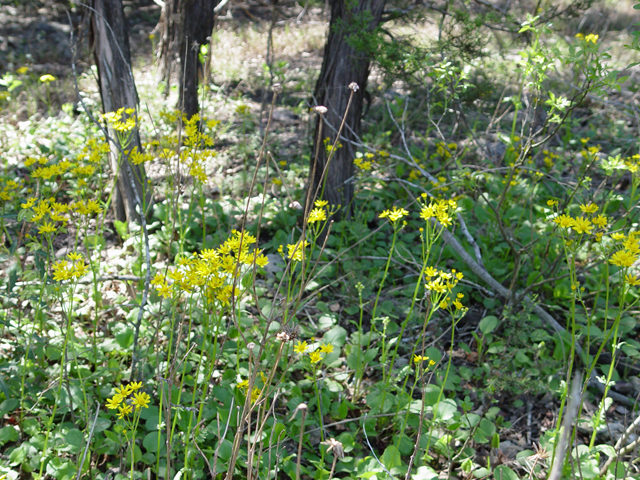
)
(65, 270)
(58, 212)
(444, 150)
(122, 120)
(591, 37)
(549, 158)
(394, 214)
(294, 252)
(628, 254)
(364, 162)
(328, 145)
(198, 147)
(212, 272)
(127, 398)
(441, 284)
(314, 355)
(582, 224)
(418, 359)
(137, 157)
(87, 207)
(52, 170)
(255, 392)
(632, 163)
(93, 152)
(442, 210)
(8, 189)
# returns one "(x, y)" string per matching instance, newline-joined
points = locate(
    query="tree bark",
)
(197, 28)
(342, 64)
(110, 44)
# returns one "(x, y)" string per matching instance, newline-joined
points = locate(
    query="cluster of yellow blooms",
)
(364, 162)
(442, 210)
(197, 143)
(442, 284)
(444, 150)
(65, 270)
(127, 398)
(628, 252)
(394, 214)
(198, 148)
(58, 212)
(418, 359)
(314, 355)
(255, 392)
(212, 272)
(439, 185)
(319, 215)
(294, 252)
(328, 146)
(122, 120)
(591, 37)
(9, 189)
(582, 224)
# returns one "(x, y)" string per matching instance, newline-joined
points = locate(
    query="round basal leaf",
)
(8, 406)
(503, 472)
(488, 324)
(150, 442)
(8, 434)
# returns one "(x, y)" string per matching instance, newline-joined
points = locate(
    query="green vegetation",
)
(476, 317)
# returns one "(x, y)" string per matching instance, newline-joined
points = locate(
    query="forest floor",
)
(39, 35)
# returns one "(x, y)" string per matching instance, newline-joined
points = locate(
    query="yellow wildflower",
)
(326, 348)
(582, 225)
(141, 400)
(317, 215)
(589, 208)
(315, 357)
(47, 227)
(623, 258)
(563, 221)
(301, 347)
(394, 214)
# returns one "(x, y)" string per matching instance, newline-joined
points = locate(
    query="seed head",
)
(277, 88)
(336, 446)
(320, 109)
(354, 87)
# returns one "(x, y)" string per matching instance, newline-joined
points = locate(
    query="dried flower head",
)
(320, 109)
(354, 87)
(336, 446)
(277, 88)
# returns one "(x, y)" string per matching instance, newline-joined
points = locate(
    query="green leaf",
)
(150, 442)
(488, 324)
(446, 409)
(425, 473)
(125, 337)
(61, 469)
(336, 337)
(8, 434)
(503, 472)
(391, 457)
(74, 438)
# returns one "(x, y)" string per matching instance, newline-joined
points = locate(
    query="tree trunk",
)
(197, 28)
(110, 44)
(342, 64)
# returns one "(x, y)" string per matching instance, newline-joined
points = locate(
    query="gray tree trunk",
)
(184, 26)
(341, 65)
(198, 26)
(110, 44)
